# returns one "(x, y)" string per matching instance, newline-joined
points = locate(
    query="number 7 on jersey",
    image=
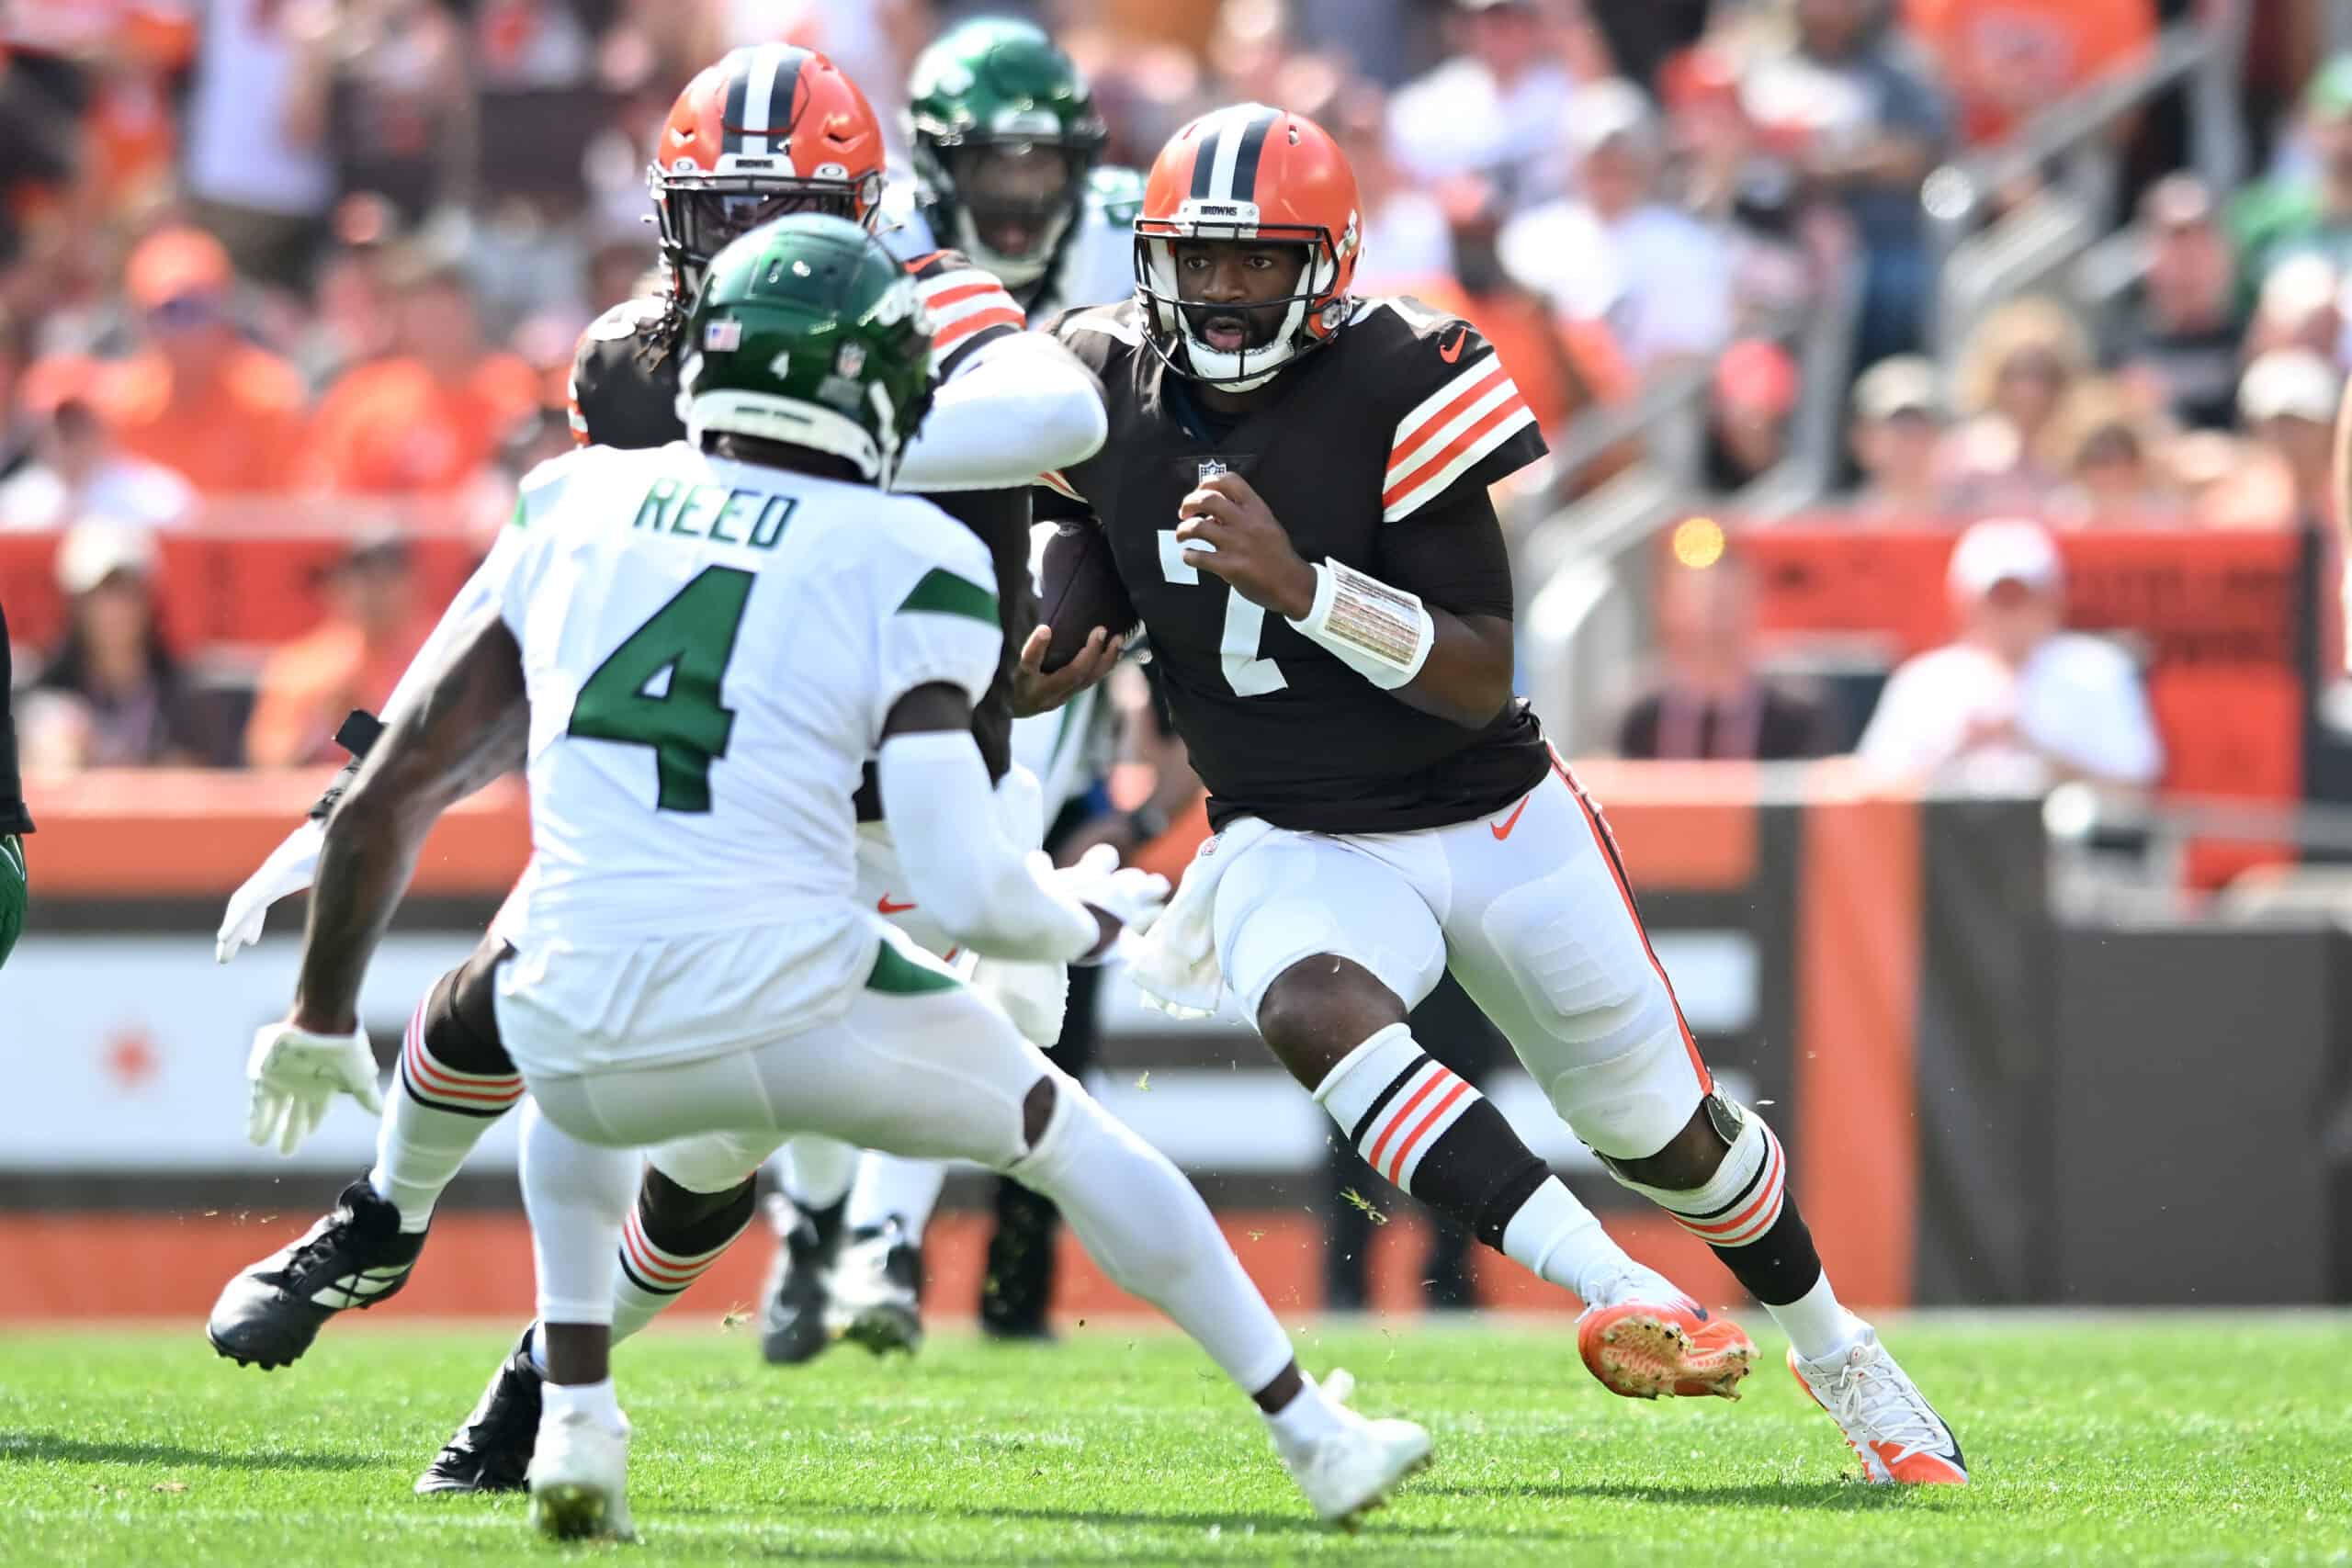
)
(1245, 622)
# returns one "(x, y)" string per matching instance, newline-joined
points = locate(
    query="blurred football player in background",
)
(1006, 141)
(1294, 492)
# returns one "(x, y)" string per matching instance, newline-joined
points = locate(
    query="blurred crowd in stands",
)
(262, 261)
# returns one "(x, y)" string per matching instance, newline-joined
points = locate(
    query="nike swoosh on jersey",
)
(1450, 351)
(1509, 822)
(886, 907)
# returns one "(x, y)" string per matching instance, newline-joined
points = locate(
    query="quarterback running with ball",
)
(1295, 495)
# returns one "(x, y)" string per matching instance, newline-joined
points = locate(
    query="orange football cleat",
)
(1648, 1349)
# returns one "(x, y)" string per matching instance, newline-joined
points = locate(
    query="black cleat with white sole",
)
(792, 1314)
(491, 1452)
(878, 1289)
(355, 1257)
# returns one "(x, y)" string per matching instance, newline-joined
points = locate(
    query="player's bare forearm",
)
(462, 732)
(1467, 679)
(1227, 530)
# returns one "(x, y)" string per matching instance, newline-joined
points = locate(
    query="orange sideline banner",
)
(2228, 626)
(2201, 599)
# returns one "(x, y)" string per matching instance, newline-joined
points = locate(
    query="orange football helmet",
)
(770, 130)
(1253, 174)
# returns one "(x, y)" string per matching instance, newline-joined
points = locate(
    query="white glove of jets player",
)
(291, 866)
(296, 1076)
(1133, 896)
(1035, 996)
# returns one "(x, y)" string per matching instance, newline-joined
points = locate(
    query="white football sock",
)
(890, 1187)
(1141, 1221)
(577, 1195)
(1817, 1324)
(814, 1171)
(594, 1400)
(1308, 1418)
(432, 1121)
(1555, 1239)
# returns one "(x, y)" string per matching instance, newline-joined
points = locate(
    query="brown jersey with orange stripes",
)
(624, 393)
(1376, 450)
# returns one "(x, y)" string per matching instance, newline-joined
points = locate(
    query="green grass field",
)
(2138, 1440)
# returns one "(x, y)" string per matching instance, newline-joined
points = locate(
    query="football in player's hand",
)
(1077, 590)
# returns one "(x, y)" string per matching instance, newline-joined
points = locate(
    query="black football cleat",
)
(877, 1290)
(491, 1452)
(355, 1257)
(792, 1317)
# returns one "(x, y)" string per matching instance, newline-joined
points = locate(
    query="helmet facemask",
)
(698, 214)
(1178, 320)
(1014, 199)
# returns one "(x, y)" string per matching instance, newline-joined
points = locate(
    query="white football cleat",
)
(1646, 1339)
(579, 1479)
(1887, 1421)
(1347, 1472)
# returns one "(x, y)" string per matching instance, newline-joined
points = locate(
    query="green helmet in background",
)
(1005, 136)
(809, 332)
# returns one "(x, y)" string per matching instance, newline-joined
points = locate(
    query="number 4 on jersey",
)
(689, 639)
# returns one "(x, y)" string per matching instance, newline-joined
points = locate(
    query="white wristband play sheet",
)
(1382, 633)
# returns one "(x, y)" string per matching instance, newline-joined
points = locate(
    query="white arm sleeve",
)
(962, 868)
(1019, 407)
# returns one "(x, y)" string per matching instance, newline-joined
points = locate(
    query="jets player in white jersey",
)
(763, 131)
(1005, 140)
(704, 643)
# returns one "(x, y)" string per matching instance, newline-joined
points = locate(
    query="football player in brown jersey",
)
(1294, 492)
(766, 130)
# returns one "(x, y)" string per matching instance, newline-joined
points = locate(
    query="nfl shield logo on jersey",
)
(850, 360)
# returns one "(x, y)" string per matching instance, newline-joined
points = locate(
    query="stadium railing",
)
(1586, 575)
(1981, 264)
(1589, 615)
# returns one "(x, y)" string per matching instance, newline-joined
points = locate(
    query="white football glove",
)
(1133, 896)
(291, 867)
(1035, 996)
(296, 1076)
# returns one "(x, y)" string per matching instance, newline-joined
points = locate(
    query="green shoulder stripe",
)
(942, 592)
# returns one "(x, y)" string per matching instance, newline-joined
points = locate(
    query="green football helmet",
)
(1005, 136)
(808, 331)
